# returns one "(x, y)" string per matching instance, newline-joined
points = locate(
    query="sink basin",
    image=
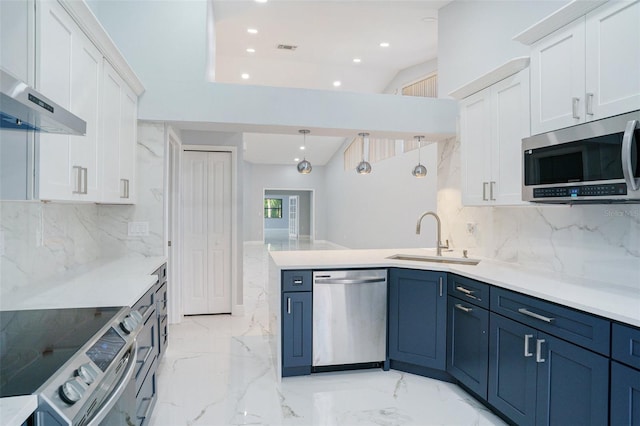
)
(434, 259)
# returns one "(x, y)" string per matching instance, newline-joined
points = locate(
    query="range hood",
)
(23, 108)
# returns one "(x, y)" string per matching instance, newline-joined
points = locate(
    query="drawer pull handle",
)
(575, 103)
(467, 292)
(528, 313)
(539, 358)
(463, 308)
(526, 345)
(288, 305)
(297, 281)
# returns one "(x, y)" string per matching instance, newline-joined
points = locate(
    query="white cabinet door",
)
(17, 51)
(118, 142)
(475, 134)
(558, 78)
(613, 59)
(510, 98)
(70, 73)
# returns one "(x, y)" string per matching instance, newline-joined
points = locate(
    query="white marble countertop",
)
(107, 282)
(610, 300)
(16, 409)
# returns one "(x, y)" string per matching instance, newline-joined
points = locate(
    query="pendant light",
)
(419, 171)
(304, 166)
(364, 168)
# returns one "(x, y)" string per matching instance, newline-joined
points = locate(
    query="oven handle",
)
(118, 391)
(627, 164)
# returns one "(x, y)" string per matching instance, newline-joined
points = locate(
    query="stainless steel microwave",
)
(594, 162)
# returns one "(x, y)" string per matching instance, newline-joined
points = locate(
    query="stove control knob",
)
(128, 324)
(71, 391)
(87, 373)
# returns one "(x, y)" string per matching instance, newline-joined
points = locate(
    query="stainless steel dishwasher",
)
(349, 317)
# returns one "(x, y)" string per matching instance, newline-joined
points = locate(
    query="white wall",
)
(380, 210)
(474, 37)
(259, 177)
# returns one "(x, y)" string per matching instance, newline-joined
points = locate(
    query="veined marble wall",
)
(42, 240)
(599, 242)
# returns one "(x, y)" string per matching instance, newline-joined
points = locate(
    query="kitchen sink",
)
(435, 259)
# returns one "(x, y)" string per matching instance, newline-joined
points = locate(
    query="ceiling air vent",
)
(287, 47)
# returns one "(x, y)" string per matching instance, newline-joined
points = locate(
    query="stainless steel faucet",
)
(440, 246)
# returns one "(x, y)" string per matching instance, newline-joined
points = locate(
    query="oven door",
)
(119, 409)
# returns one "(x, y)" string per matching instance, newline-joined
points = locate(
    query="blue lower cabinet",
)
(468, 344)
(538, 379)
(512, 375)
(625, 395)
(572, 384)
(296, 333)
(417, 318)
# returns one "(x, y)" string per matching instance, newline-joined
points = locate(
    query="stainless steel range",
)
(79, 362)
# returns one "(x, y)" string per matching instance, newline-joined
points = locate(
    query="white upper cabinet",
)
(588, 69)
(73, 72)
(70, 73)
(492, 125)
(613, 59)
(16, 38)
(119, 129)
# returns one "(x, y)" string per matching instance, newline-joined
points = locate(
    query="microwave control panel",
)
(581, 191)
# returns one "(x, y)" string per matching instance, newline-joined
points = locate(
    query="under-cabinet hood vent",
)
(23, 108)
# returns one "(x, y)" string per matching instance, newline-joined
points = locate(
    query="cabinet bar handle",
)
(534, 315)
(78, 189)
(440, 286)
(575, 105)
(491, 185)
(85, 178)
(288, 305)
(125, 188)
(526, 345)
(463, 308)
(468, 293)
(589, 103)
(539, 358)
(484, 191)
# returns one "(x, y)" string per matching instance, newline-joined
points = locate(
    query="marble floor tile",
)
(218, 370)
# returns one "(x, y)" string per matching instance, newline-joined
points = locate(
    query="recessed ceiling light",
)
(252, 31)
(261, 1)
(384, 44)
(245, 76)
(251, 50)
(302, 148)
(357, 60)
(337, 84)
(296, 160)
(430, 19)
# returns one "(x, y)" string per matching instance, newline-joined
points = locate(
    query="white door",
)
(613, 59)
(557, 79)
(293, 217)
(206, 203)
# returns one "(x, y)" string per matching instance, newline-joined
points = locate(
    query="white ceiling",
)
(329, 35)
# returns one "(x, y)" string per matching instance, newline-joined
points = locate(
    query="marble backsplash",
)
(42, 240)
(599, 242)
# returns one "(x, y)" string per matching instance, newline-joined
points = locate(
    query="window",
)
(273, 208)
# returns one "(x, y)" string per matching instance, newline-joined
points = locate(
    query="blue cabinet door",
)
(468, 344)
(572, 384)
(512, 369)
(417, 317)
(296, 333)
(625, 395)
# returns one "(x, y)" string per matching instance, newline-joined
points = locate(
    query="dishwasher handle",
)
(350, 280)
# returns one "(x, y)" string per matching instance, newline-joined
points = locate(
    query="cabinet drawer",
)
(161, 299)
(625, 345)
(146, 397)
(577, 327)
(296, 280)
(147, 349)
(146, 304)
(469, 290)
